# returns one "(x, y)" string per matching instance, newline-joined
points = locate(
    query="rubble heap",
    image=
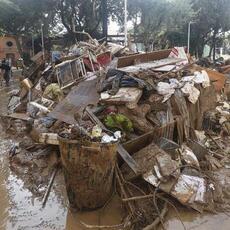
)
(167, 118)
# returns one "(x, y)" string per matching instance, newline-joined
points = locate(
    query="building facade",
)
(9, 49)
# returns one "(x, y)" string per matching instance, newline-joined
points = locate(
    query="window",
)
(9, 44)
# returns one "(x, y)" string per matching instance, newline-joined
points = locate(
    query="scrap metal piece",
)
(151, 178)
(188, 156)
(79, 98)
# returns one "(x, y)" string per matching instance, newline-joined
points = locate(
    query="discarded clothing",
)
(116, 79)
(53, 92)
(119, 122)
(47, 121)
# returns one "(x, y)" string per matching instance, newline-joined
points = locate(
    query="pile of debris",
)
(166, 117)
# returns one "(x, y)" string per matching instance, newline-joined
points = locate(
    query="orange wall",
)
(5, 49)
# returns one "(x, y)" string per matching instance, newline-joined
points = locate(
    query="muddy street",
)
(114, 114)
(21, 209)
(21, 203)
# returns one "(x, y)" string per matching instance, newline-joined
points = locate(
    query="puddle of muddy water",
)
(20, 209)
(195, 221)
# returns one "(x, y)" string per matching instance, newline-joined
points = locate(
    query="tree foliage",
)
(211, 22)
(25, 16)
(161, 23)
(157, 24)
(150, 18)
(87, 15)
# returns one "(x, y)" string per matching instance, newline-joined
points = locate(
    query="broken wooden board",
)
(41, 108)
(200, 151)
(166, 68)
(151, 65)
(84, 94)
(157, 134)
(20, 116)
(152, 159)
(38, 58)
(146, 57)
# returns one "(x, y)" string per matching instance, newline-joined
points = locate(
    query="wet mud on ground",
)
(194, 221)
(21, 192)
(22, 186)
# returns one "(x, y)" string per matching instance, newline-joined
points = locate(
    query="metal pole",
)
(189, 31)
(43, 48)
(125, 25)
(105, 19)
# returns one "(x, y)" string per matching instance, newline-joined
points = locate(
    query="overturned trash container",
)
(88, 170)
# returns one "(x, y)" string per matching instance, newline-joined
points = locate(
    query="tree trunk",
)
(210, 52)
(214, 45)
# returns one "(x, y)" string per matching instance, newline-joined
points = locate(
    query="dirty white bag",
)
(202, 78)
(191, 91)
(165, 89)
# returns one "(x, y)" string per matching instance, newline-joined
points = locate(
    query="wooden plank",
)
(140, 58)
(166, 68)
(80, 96)
(139, 143)
(151, 65)
(20, 116)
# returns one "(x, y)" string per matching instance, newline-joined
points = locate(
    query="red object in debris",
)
(102, 60)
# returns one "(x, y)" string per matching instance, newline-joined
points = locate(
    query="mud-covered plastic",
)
(88, 170)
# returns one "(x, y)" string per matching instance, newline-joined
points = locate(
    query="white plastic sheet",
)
(165, 89)
(109, 139)
(191, 91)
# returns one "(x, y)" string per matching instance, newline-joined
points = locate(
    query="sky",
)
(113, 27)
